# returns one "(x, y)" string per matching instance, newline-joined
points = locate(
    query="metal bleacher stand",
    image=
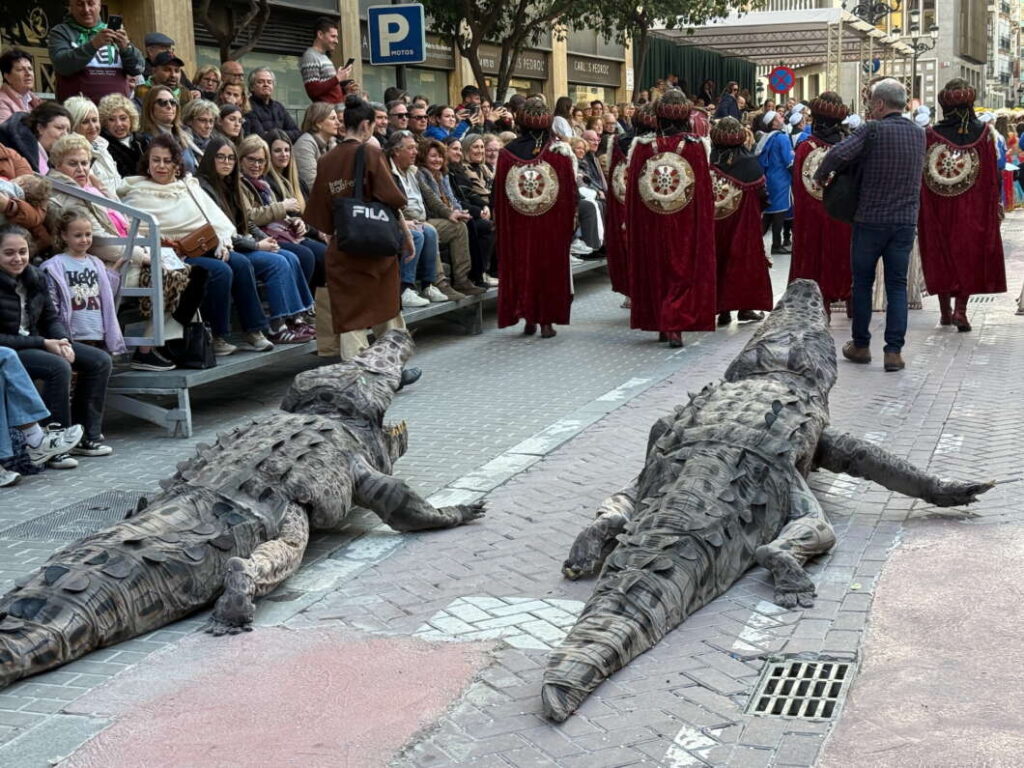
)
(128, 388)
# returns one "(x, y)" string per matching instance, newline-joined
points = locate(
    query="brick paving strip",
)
(682, 703)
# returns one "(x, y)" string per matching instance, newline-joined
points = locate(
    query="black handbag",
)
(365, 227)
(841, 196)
(195, 347)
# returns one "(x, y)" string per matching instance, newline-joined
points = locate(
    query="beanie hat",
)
(829, 106)
(957, 93)
(728, 132)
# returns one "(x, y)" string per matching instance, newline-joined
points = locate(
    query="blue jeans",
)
(423, 266)
(892, 243)
(311, 255)
(287, 290)
(20, 403)
(229, 279)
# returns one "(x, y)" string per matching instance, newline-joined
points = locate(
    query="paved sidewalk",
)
(546, 429)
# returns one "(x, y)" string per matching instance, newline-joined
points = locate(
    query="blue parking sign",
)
(398, 34)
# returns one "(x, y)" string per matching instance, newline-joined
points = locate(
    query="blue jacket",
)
(775, 152)
(439, 133)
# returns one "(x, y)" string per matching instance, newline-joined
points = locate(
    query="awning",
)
(793, 38)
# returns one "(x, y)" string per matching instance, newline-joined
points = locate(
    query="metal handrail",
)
(150, 240)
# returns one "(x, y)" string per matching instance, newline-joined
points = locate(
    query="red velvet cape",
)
(743, 278)
(961, 247)
(533, 251)
(672, 256)
(616, 245)
(821, 244)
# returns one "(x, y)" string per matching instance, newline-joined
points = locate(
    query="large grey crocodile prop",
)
(232, 524)
(723, 488)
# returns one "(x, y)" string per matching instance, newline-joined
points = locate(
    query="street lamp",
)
(874, 12)
(918, 42)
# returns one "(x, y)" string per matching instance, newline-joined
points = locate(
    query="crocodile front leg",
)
(597, 540)
(840, 452)
(247, 578)
(807, 534)
(394, 502)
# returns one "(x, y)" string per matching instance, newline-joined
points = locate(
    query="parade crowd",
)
(677, 191)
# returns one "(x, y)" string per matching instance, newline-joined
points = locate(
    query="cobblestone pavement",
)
(546, 429)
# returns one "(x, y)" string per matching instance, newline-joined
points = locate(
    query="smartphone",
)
(349, 63)
(114, 22)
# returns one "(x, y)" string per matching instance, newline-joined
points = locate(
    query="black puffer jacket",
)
(16, 134)
(126, 157)
(267, 115)
(43, 322)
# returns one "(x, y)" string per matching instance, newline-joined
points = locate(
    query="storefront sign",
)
(528, 64)
(584, 69)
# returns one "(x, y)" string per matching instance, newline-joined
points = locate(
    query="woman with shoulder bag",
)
(202, 234)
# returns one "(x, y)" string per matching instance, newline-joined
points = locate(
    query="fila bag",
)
(365, 227)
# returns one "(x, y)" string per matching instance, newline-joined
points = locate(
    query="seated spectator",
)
(22, 410)
(288, 293)
(166, 72)
(579, 117)
(446, 214)
(394, 93)
(81, 289)
(29, 210)
(160, 117)
(322, 79)
(85, 121)
(119, 125)
(31, 135)
(626, 111)
(561, 126)
(401, 155)
(591, 185)
(199, 119)
(444, 123)
(88, 58)
(180, 207)
(419, 100)
(232, 72)
(233, 93)
(597, 108)
(593, 123)
(610, 132)
(154, 44)
(492, 148)
(474, 196)
(30, 326)
(19, 76)
(505, 137)
(284, 176)
(398, 116)
(380, 122)
(265, 114)
(230, 123)
(417, 120)
(207, 82)
(319, 135)
(278, 218)
(728, 105)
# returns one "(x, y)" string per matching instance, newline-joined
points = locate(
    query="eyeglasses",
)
(417, 117)
(400, 115)
(224, 158)
(166, 102)
(254, 160)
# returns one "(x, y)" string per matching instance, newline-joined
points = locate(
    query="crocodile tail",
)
(632, 609)
(28, 649)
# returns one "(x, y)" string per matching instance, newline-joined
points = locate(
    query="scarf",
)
(86, 33)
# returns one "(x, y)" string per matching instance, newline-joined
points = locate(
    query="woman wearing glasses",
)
(199, 118)
(160, 118)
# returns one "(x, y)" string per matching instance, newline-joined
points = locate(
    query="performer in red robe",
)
(960, 195)
(534, 202)
(738, 181)
(670, 220)
(615, 246)
(821, 244)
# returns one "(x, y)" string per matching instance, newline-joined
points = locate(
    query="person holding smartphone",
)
(323, 80)
(90, 57)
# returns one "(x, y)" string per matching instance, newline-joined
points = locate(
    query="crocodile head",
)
(358, 390)
(793, 344)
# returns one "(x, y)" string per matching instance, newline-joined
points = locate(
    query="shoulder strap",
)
(192, 195)
(360, 171)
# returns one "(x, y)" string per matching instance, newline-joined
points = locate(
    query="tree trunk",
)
(472, 55)
(641, 46)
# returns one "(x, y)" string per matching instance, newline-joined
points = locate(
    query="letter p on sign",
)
(397, 34)
(392, 28)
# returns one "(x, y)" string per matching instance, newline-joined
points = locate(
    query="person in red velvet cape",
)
(534, 204)
(670, 221)
(960, 194)
(743, 282)
(821, 244)
(615, 245)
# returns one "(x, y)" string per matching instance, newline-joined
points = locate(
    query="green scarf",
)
(86, 33)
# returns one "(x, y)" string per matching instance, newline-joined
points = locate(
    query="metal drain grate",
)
(988, 299)
(801, 688)
(76, 520)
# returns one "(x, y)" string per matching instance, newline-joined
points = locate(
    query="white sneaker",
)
(222, 347)
(56, 441)
(579, 248)
(62, 461)
(491, 281)
(430, 293)
(575, 261)
(258, 341)
(411, 299)
(8, 478)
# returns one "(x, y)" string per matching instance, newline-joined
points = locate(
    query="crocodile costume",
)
(723, 487)
(232, 523)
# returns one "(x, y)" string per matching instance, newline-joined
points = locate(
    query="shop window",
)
(376, 80)
(589, 93)
(431, 83)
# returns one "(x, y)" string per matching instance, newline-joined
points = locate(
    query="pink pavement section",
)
(942, 682)
(275, 698)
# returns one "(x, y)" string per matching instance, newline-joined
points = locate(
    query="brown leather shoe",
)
(449, 293)
(469, 289)
(856, 354)
(547, 331)
(893, 361)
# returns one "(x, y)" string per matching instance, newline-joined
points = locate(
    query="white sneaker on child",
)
(56, 441)
(8, 478)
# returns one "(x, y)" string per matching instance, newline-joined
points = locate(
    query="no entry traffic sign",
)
(781, 79)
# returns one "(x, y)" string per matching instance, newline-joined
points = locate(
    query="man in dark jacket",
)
(267, 114)
(727, 105)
